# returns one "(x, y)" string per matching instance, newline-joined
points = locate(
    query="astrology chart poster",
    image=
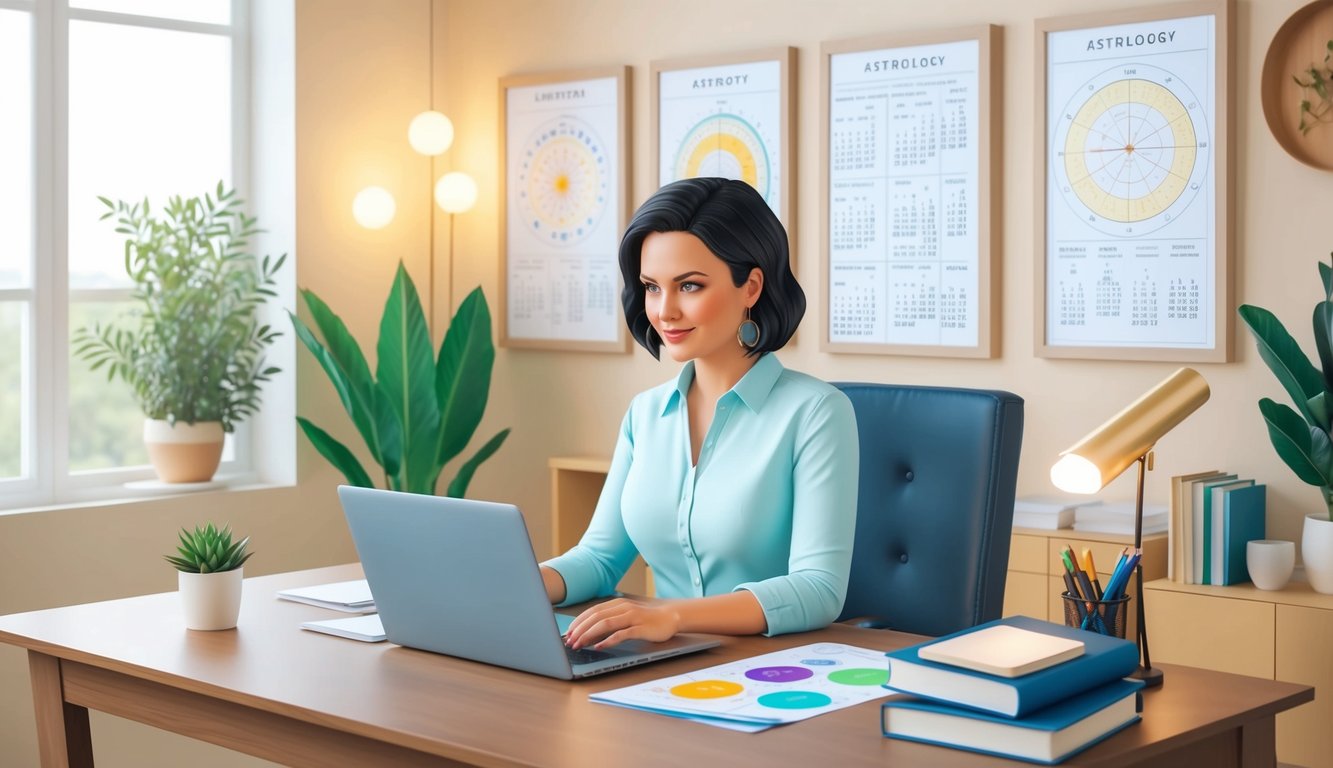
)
(728, 117)
(1135, 192)
(565, 147)
(909, 151)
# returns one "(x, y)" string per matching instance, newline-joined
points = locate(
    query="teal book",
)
(1048, 736)
(1212, 529)
(1243, 520)
(1199, 570)
(1104, 659)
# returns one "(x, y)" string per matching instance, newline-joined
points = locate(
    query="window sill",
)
(152, 494)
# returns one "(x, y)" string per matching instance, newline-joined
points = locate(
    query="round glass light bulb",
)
(430, 133)
(373, 207)
(455, 192)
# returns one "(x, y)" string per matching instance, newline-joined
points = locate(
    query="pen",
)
(1091, 570)
(1088, 594)
(1071, 586)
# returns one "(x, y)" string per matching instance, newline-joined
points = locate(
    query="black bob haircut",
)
(732, 219)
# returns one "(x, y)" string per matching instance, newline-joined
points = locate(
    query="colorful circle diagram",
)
(725, 145)
(794, 700)
(1131, 150)
(859, 676)
(563, 182)
(707, 689)
(779, 674)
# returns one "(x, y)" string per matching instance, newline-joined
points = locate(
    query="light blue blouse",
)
(770, 507)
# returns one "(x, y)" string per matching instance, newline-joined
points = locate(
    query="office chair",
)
(935, 505)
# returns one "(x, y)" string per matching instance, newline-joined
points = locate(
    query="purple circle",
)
(778, 674)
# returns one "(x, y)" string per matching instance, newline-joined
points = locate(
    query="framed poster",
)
(729, 116)
(1134, 184)
(910, 198)
(564, 169)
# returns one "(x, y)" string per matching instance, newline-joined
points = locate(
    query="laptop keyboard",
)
(586, 655)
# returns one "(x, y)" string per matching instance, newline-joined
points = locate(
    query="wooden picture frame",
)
(564, 176)
(1134, 186)
(910, 193)
(730, 115)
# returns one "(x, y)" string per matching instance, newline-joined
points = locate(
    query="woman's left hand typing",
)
(615, 621)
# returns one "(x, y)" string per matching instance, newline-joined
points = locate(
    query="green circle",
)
(859, 676)
(794, 700)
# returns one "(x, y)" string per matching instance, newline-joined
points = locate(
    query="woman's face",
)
(690, 299)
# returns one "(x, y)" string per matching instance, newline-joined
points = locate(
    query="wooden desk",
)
(300, 698)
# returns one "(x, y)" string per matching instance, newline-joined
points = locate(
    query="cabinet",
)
(576, 483)
(1278, 635)
(1035, 582)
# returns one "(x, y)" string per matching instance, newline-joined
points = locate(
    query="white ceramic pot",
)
(1317, 551)
(1270, 562)
(184, 453)
(211, 600)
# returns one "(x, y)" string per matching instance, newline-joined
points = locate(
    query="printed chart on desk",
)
(723, 121)
(903, 195)
(1130, 240)
(776, 688)
(563, 278)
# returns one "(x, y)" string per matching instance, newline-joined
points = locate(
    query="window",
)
(123, 99)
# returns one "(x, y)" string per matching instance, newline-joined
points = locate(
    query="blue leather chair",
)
(936, 505)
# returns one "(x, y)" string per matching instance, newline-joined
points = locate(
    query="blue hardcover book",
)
(1104, 659)
(1212, 529)
(1243, 513)
(1048, 736)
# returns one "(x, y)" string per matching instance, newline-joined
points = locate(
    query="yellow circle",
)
(707, 689)
(747, 166)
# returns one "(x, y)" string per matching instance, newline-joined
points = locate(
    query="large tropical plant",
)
(1301, 435)
(417, 412)
(192, 349)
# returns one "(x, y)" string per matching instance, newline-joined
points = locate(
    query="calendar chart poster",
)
(728, 116)
(909, 194)
(1135, 192)
(565, 141)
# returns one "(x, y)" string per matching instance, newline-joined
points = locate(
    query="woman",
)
(737, 480)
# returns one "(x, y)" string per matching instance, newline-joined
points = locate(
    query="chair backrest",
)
(936, 505)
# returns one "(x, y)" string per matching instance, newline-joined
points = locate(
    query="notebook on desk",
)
(459, 577)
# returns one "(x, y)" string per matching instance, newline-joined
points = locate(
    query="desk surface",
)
(133, 658)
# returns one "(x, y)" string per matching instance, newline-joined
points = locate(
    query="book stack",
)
(1213, 515)
(1118, 517)
(1016, 687)
(1046, 512)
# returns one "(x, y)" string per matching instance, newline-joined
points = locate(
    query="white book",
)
(367, 629)
(1003, 650)
(346, 596)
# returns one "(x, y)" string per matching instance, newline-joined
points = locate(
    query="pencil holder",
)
(1106, 617)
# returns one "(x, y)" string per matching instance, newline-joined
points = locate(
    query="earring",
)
(747, 334)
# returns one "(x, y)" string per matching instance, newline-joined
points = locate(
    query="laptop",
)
(459, 577)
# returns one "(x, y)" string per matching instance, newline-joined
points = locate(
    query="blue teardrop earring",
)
(747, 334)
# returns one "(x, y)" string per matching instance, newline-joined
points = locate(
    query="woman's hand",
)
(615, 621)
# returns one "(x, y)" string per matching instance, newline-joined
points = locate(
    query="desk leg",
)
(63, 738)
(1258, 743)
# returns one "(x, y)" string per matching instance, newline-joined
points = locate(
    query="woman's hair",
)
(732, 219)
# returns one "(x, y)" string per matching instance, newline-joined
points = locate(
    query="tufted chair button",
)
(903, 557)
(908, 476)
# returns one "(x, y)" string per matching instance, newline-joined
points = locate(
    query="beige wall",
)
(362, 73)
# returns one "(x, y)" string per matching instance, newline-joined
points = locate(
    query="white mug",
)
(1270, 562)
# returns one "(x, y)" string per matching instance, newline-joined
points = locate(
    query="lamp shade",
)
(1110, 449)
(430, 133)
(456, 192)
(373, 207)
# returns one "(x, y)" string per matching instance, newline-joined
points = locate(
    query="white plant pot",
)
(184, 453)
(1270, 562)
(211, 600)
(1317, 551)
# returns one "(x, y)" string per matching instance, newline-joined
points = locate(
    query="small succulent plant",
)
(209, 550)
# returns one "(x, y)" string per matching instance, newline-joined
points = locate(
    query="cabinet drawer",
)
(1025, 594)
(1027, 553)
(1212, 632)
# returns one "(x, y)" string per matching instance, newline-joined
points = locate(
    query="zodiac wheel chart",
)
(727, 145)
(1131, 150)
(563, 182)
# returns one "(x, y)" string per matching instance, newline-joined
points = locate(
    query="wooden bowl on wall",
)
(1300, 42)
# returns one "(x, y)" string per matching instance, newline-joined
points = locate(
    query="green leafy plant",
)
(418, 412)
(1317, 78)
(1301, 436)
(209, 550)
(193, 348)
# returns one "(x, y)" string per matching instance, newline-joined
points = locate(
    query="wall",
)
(362, 73)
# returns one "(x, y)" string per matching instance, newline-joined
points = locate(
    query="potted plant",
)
(210, 569)
(192, 350)
(417, 412)
(1301, 436)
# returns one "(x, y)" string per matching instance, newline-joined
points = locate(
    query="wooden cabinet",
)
(576, 483)
(1277, 635)
(1034, 581)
